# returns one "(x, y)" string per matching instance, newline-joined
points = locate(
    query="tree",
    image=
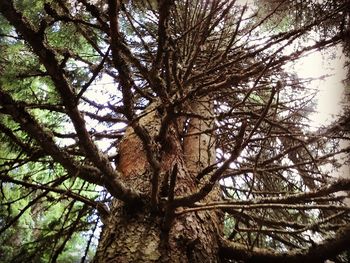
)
(199, 150)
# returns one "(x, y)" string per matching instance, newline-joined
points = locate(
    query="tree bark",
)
(140, 234)
(199, 143)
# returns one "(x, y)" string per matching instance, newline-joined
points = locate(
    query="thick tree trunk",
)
(137, 234)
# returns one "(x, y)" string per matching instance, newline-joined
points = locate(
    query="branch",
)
(48, 58)
(339, 185)
(262, 206)
(22, 211)
(119, 62)
(95, 12)
(102, 209)
(318, 253)
(164, 13)
(42, 137)
(205, 190)
(95, 73)
(150, 149)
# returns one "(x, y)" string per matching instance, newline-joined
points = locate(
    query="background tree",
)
(173, 125)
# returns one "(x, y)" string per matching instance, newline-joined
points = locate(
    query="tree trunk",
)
(138, 234)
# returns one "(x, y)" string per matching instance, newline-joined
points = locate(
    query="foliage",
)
(60, 136)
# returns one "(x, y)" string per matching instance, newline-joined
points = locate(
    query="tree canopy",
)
(76, 76)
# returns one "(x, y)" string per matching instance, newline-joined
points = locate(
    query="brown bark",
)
(140, 234)
(199, 144)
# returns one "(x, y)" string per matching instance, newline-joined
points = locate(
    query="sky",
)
(330, 97)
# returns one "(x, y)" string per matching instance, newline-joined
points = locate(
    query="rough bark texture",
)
(131, 236)
(199, 144)
(138, 234)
